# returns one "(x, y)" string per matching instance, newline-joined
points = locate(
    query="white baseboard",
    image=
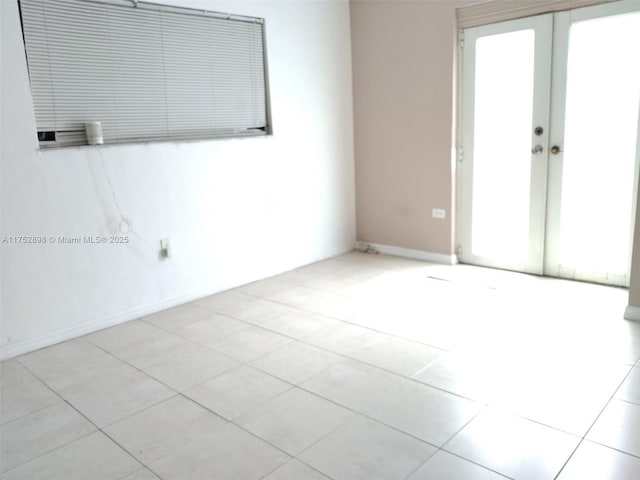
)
(408, 253)
(19, 347)
(632, 313)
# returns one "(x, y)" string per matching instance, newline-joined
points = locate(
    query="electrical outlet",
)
(165, 248)
(438, 213)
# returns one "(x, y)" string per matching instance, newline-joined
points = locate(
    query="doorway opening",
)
(550, 143)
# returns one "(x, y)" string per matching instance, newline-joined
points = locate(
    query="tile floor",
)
(358, 367)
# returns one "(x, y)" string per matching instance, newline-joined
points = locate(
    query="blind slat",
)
(145, 73)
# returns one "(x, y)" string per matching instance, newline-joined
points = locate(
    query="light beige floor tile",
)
(294, 420)
(300, 323)
(529, 386)
(542, 392)
(296, 361)
(571, 413)
(212, 329)
(416, 409)
(319, 274)
(295, 470)
(12, 372)
(21, 399)
(294, 295)
(67, 362)
(343, 281)
(630, 389)
(444, 466)
(126, 334)
(227, 453)
(596, 461)
(253, 309)
(389, 262)
(162, 429)
(222, 302)
(142, 474)
(250, 343)
(332, 305)
(115, 394)
(398, 355)
(191, 367)
(481, 378)
(606, 343)
(471, 378)
(332, 284)
(584, 346)
(141, 345)
(618, 427)
(346, 339)
(91, 457)
(513, 446)
(364, 449)
(315, 300)
(31, 436)
(266, 288)
(237, 391)
(178, 316)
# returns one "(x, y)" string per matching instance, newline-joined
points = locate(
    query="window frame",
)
(44, 135)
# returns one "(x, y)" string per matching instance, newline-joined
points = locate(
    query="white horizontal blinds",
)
(146, 73)
(492, 11)
(225, 61)
(134, 49)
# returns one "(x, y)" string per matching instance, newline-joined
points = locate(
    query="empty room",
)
(319, 239)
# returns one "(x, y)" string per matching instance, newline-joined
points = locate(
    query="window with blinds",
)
(144, 71)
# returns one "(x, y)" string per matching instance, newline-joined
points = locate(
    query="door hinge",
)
(460, 153)
(461, 39)
(459, 251)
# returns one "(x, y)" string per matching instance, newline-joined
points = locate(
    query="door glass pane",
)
(602, 107)
(502, 145)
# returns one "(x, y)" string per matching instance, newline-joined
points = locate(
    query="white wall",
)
(235, 210)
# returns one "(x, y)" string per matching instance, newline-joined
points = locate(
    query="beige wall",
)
(403, 81)
(403, 75)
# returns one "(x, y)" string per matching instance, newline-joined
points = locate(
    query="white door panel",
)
(595, 125)
(505, 97)
(566, 211)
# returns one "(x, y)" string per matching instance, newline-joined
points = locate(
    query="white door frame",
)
(553, 177)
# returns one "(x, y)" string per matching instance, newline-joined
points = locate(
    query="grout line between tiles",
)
(326, 349)
(60, 400)
(293, 386)
(369, 417)
(584, 437)
(346, 321)
(614, 448)
(476, 463)
(320, 372)
(346, 357)
(297, 460)
(323, 398)
(307, 342)
(2, 474)
(630, 402)
(422, 464)
(96, 427)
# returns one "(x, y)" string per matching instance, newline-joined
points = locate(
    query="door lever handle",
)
(537, 150)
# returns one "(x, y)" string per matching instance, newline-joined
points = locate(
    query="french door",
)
(550, 143)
